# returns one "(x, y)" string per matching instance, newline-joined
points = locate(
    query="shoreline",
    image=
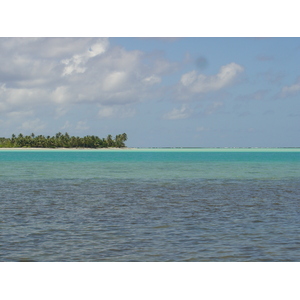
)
(164, 149)
(62, 148)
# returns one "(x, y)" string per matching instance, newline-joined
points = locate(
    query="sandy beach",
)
(163, 149)
(112, 148)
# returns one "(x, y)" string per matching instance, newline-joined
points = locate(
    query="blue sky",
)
(163, 92)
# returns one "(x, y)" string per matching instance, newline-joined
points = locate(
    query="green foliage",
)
(62, 141)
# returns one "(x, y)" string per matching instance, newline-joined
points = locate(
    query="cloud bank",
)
(67, 71)
(45, 81)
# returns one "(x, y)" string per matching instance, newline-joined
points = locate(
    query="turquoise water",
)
(150, 205)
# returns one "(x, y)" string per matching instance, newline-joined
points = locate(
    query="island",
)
(63, 141)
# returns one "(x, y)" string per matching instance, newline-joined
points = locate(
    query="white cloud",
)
(106, 112)
(73, 65)
(291, 90)
(93, 71)
(153, 79)
(81, 126)
(116, 111)
(77, 63)
(60, 95)
(98, 47)
(118, 77)
(20, 97)
(52, 75)
(175, 114)
(32, 125)
(58, 48)
(115, 81)
(199, 83)
(188, 78)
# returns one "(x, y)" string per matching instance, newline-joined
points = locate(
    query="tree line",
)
(63, 141)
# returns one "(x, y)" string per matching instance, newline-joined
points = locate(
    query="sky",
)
(222, 83)
(162, 92)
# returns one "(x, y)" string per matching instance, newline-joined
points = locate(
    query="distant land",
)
(63, 141)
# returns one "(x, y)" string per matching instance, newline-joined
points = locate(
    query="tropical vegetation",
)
(62, 141)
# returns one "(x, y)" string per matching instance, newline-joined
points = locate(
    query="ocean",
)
(187, 205)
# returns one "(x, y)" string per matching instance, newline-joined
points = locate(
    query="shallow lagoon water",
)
(150, 205)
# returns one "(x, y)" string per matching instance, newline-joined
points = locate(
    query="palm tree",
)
(13, 138)
(124, 136)
(109, 140)
(120, 139)
(58, 135)
(63, 140)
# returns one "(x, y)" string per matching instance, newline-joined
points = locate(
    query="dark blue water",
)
(149, 205)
